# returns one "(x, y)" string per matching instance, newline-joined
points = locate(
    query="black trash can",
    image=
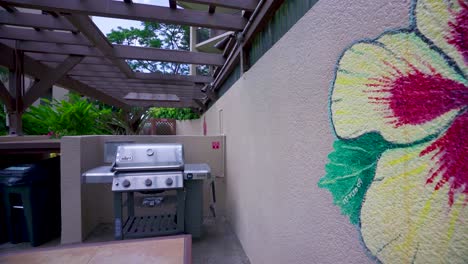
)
(31, 199)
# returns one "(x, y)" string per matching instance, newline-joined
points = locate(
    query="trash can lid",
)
(22, 174)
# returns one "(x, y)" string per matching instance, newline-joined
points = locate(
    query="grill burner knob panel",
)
(126, 183)
(169, 181)
(148, 182)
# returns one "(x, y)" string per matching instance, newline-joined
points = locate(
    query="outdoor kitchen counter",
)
(30, 146)
(165, 250)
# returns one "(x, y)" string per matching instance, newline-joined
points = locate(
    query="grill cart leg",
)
(180, 210)
(118, 216)
(130, 204)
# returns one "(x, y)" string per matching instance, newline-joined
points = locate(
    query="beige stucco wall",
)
(278, 134)
(189, 127)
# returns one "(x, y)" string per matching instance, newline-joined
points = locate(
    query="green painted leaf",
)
(350, 171)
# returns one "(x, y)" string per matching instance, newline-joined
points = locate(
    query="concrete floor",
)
(219, 244)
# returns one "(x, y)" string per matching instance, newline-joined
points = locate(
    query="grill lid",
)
(144, 157)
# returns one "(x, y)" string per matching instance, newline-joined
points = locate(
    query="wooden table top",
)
(162, 250)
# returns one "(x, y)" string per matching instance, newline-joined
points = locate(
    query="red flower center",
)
(459, 31)
(417, 98)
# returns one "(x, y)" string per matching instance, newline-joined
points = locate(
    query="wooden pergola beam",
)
(48, 80)
(94, 68)
(160, 104)
(97, 74)
(200, 103)
(141, 12)
(8, 8)
(248, 5)
(174, 77)
(37, 69)
(173, 4)
(35, 21)
(58, 58)
(119, 79)
(179, 56)
(43, 36)
(144, 78)
(121, 52)
(6, 96)
(86, 26)
(211, 9)
(182, 87)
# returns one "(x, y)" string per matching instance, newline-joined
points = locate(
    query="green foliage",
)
(77, 116)
(175, 113)
(3, 128)
(350, 171)
(155, 35)
(3, 74)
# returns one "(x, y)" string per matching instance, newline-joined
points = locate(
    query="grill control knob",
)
(148, 182)
(126, 183)
(169, 181)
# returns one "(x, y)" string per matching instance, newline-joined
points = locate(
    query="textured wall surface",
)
(189, 127)
(399, 168)
(278, 134)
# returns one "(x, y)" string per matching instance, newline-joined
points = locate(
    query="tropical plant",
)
(175, 113)
(77, 116)
(3, 128)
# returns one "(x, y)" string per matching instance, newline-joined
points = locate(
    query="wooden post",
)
(15, 123)
(244, 56)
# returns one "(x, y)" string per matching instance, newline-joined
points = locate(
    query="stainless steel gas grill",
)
(150, 170)
(143, 167)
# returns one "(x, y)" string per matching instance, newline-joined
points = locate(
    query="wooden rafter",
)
(173, 4)
(141, 12)
(121, 52)
(147, 78)
(35, 20)
(96, 68)
(200, 103)
(86, 26)
(57, 58)
(37, 69)
(43, 36)
(49, 79)
(180, 56)
(211, 9)
(234, 4)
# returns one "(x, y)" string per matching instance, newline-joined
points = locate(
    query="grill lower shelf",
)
(147, 226)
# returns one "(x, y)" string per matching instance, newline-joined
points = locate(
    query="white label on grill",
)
(126, 158)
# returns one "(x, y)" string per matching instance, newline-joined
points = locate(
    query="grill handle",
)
(146, 168)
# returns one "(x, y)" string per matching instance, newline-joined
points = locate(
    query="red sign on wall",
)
(215, 145)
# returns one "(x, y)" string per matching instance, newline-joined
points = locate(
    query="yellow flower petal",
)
(433, 18)
(404, 220)
(353, 105)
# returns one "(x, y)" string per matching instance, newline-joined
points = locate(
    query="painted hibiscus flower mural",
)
(399, 107)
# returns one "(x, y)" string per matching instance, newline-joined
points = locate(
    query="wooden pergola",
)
(60, 44)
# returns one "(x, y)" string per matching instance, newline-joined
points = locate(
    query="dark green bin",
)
(31, 201)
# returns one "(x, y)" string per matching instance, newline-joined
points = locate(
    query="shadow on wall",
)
(399, 110)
